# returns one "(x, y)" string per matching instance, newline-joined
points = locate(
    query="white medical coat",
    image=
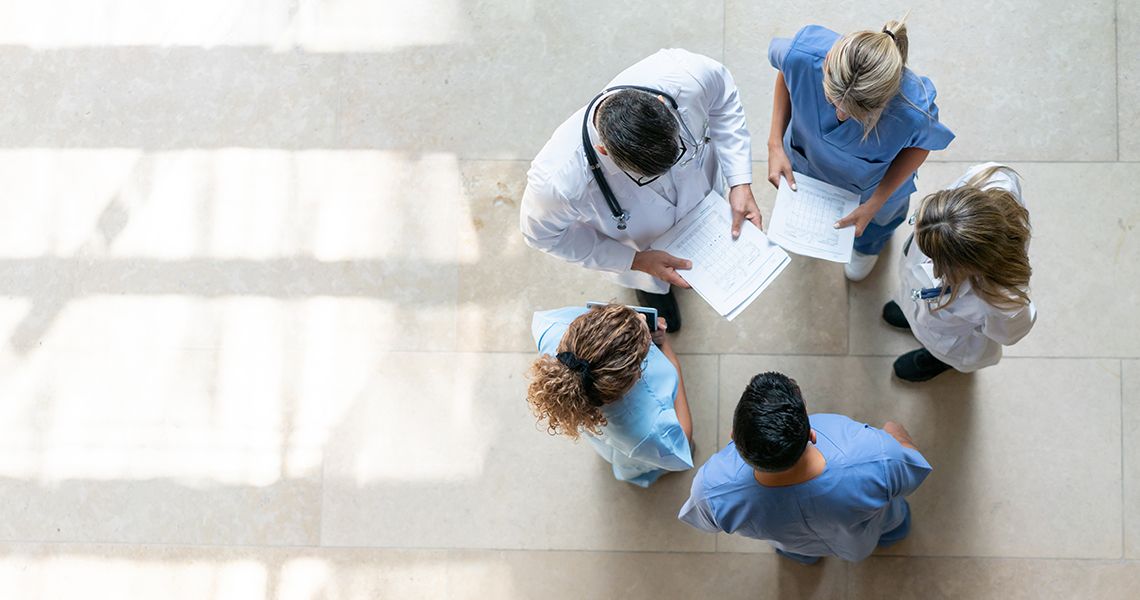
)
(564, 212)
(969, 333)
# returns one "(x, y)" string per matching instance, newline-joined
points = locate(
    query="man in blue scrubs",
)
(811, 487)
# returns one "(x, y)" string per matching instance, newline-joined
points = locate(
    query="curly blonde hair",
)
(979, 235)
(613, 340)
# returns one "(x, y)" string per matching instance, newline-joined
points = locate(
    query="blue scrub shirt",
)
(842, 512)
(643, 438)
(819, 145)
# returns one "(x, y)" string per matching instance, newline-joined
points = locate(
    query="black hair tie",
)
(582, 368)
(892, 35)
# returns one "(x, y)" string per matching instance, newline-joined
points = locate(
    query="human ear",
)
(811, 436)
(601, 150)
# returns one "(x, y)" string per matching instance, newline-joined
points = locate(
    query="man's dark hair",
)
(638, 131)
(770, 426)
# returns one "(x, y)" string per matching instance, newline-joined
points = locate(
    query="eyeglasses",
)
(642, 180)
(698, 149)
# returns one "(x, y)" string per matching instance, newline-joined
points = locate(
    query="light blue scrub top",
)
(819, 145)
(642, 439)
(842, 512)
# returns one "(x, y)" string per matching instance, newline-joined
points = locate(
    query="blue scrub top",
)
(821, 146)
(643, 438)
(842, 512)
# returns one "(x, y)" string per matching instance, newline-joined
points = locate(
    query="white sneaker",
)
(860, 266)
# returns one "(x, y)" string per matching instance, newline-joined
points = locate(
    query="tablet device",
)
(650, 314)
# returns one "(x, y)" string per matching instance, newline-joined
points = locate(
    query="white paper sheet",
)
(729, 274)
(803, 220)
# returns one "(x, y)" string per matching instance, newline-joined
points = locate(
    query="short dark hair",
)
(639, 132)
(771, 426)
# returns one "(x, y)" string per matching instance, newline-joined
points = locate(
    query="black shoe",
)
(919, 365)
(666, 305)
(894, 316)
(800, 558)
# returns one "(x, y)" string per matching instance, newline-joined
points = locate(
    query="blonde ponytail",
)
(863, 72)
(896, 30)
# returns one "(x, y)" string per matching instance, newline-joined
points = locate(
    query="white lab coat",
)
(564, 212)
(969, 333)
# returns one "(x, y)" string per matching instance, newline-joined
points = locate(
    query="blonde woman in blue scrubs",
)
(604, 376)
(847, 111)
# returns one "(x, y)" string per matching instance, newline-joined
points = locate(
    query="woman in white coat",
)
(964, 275)
(663, 134)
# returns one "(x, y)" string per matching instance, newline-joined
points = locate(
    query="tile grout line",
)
(956, 161)
(724, 40)
(848, 328)
(1116, 66)
(321, 503)
(339, 98)
(716, 442)
(1083, 357)
(848, 575)
(285, 547)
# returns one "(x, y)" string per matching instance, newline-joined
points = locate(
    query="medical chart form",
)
(729, 274)
(803, 220)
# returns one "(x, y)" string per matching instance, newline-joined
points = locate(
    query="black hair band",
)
(582, 368)
(892, 35)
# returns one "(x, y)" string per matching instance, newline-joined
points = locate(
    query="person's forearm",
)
(903, 438)
(906, 443)
(902, 167)
(681, 401)
(781, 112)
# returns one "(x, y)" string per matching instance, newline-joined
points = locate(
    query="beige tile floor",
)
(264, 308)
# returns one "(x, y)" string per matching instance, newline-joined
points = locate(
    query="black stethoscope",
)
(929, 294)
(619, 215)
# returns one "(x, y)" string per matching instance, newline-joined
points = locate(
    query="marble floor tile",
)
(1081, 253)
(128, 241)
(440, 450)
(314, 26)
(101, 23)
(981, 66)
(514, 72)
(1128, 79)
(1130, 413)
(48, 572)
(155, 445)
(160, 98)
(999, 475)
(510, 281)
(981, 579)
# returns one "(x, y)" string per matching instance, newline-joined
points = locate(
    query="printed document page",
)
(803, 220)
(729, 274)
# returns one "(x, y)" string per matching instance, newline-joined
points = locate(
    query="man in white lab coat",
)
(660, 150)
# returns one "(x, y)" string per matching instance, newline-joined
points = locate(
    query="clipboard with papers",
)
(729, 274)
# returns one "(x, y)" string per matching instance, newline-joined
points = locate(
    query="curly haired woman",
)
(603, 375)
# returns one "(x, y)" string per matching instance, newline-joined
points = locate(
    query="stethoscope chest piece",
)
(621, 219)
(930, 294)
